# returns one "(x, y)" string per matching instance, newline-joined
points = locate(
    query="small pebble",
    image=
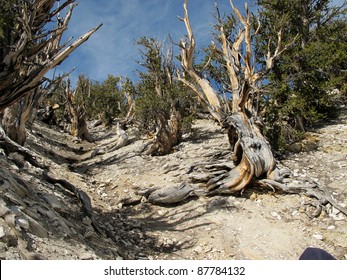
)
(318, 236)
(2, 232)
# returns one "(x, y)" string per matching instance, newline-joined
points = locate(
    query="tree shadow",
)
(201, 135)
(178, 219)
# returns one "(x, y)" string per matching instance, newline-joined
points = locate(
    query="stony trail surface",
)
(43, 220)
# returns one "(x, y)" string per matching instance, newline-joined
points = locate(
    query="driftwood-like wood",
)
(77, 113)
(168, 195)
(310, 189)
(33, 48)
(251, 152)
(24, 111)
(11, 146)
(81, 195)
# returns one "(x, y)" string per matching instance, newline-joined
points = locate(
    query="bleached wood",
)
(35, 50)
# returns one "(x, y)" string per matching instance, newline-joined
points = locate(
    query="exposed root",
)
(80, 195)
(10, 146)
(168, 195)
(314, 190)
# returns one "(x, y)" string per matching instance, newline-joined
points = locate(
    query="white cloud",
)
(111, 50)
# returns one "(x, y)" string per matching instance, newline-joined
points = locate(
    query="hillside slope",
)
(42, 218)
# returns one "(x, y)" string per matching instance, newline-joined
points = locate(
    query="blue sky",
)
(112, 49)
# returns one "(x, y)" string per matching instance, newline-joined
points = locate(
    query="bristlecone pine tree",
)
(252, 153)
(161, 105)
(309, 79)
(30, 47)
(77, 110)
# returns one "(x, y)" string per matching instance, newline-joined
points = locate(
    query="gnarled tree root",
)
(11, 146)
(314, 190)
(80, 195)
(168, 195)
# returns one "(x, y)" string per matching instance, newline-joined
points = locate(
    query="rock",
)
(87, 221)
(309, 144)
(55, 203)
(23, 223)
(170, 242)
(8, 236)
(14, 197)
(89, 234)
(161, 212)
(295, 213)
(318, 236)
(294, 148)
(3, 209)
(10, 219)
(332, 227)
(18, 159)
(276, 215)
(336, 214)
(50, 214)
(37, 229)
(87, 256)
(198, 249)
(2, 232)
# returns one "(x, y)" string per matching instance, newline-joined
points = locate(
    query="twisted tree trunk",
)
(251, 151)
(14, 119)
(168, 134)
(28, 52)
(77, 113)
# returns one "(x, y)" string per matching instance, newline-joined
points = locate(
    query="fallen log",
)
(169, 195)
(81, 195)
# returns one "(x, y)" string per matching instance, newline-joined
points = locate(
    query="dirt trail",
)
(257, 224)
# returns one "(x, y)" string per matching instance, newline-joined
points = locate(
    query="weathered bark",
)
(168, 134)
(32, 50)
(168, 195)
(11, 146)
(253, 156)
(77, 113)
(122, 140)
(252, 152)
(16, 116)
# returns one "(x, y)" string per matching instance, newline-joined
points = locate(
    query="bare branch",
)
(187, 57)
(279, 50)
(35, 50)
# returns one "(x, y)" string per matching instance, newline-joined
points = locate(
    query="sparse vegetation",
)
(98, 189)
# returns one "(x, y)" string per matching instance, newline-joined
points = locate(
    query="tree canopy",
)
(301, 87)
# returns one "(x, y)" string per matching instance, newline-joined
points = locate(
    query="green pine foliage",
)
(157, 92)
(105, 100)
(299, 89)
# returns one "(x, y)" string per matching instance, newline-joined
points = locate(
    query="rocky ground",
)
(41, 219)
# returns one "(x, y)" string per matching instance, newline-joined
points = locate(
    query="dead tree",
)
(29, 51)
(252, 152)
(23, 112)
(77, 112)
(159, 81)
